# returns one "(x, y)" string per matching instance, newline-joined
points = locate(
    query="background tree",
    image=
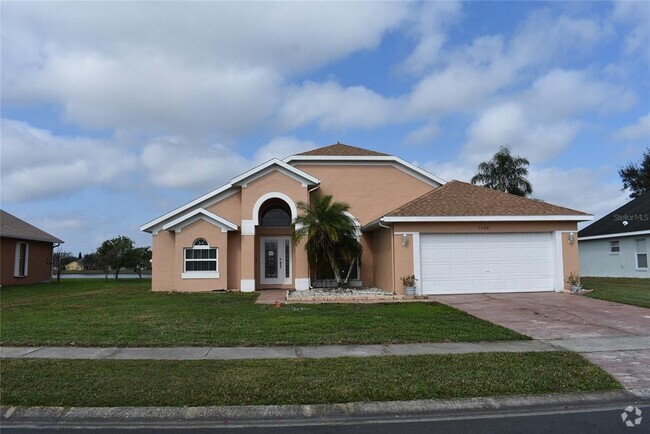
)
(636, 177)
(90, 261)
(61, 258)
(140, 259)
(331, 235)
(115, 254)
(504, 172)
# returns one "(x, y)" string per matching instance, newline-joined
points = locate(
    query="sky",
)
(115, 113)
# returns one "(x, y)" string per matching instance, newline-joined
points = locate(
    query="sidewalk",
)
(293, 352)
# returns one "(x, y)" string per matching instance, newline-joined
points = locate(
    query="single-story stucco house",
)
(453, 236)
(25, 252)
(617, 244)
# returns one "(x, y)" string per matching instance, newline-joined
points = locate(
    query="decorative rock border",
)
(345, 297)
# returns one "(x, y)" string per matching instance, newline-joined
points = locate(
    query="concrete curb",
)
(243, 414)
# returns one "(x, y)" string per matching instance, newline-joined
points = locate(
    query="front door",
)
(275, 260)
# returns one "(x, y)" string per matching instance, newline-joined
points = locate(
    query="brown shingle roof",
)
(457, 198)
(13, 227)
(340, 149)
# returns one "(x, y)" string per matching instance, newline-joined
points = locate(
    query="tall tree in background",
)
(505, 172)
(636, 177)
(115, 254)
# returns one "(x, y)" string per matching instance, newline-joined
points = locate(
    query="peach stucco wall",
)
(39, 265)
(403, 260)
(570, 257)
(229, 208)
(163, 261)
(383, 276)
(371, 191)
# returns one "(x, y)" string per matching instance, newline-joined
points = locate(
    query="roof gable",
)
(230, 188)
(200, 214)
(632, 217)
(13, 227)
(342, 150)
(460, 199)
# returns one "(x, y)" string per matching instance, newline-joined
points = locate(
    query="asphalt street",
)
(590, 420)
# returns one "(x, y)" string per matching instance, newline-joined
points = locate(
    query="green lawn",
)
(308, 381)
(91, 312)
(621, 290)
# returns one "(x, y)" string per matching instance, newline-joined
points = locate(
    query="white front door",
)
(275, 260)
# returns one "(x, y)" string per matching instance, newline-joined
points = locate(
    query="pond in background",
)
(101, 276)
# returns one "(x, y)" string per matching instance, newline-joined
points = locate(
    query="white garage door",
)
(475, 263)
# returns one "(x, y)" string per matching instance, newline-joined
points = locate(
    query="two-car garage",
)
(457, 263)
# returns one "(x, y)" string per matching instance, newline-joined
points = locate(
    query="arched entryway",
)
(275, 249)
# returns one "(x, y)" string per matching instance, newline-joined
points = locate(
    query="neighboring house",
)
(455, 237)
(76, 265)
(25, 252)
(617, 244)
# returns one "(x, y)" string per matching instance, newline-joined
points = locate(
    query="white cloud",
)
(425, 133)
(583, 189)
(560, 94)
(432, 21)
(37, 164)
(332, 106)
(639, 130)
(176, 162)
(510, 124)
(180, 68)
(633, 17)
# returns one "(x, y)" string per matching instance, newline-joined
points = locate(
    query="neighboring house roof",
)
(460, 201)
(343, 150)
(636, 213)
(13, 227)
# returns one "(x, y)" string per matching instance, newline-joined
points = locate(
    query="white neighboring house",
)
(617, 245)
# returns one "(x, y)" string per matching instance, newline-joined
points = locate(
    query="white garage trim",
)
(466, 263)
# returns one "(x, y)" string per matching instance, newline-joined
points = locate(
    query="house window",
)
(200, 260)
(276, 217)
(641, 255)
(614, 247)
(21, 260)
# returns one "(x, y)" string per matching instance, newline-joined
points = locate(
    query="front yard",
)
(620, 290)
(124, 313)
(305, 381)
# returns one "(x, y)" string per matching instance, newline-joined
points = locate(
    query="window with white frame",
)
(614, 247)
(641, 254)
(21, 259)
(201, 258)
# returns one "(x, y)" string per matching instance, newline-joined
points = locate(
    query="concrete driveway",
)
(614, 336)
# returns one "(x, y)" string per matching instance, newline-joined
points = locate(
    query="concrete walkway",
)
(236, 353)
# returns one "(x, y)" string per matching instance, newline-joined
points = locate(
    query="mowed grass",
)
(92, 312)
(40, 382)
(621, 290)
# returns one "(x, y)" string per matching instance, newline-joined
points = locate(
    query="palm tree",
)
(504, 172)
(330, 233)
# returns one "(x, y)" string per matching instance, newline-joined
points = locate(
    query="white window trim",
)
(619, 247)
(637, 253)
(17, 259)
(200, 274)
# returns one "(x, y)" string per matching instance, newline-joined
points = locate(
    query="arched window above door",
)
(275, 216)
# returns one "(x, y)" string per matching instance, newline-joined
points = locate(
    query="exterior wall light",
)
(571, 238)
(405, 240)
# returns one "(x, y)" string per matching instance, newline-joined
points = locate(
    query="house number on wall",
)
(483, 228)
